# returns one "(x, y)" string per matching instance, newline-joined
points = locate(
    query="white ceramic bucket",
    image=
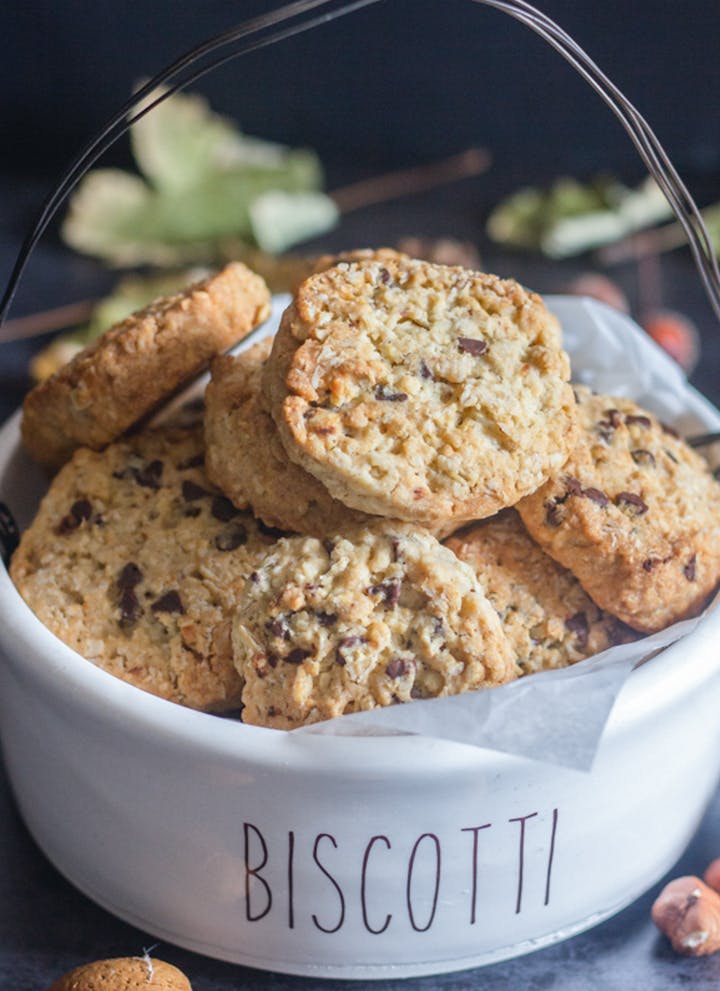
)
(344, 856)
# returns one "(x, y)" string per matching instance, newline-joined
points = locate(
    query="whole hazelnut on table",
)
(687, 911)
(123, 974)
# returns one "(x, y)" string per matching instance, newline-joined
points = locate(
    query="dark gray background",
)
(401, 81)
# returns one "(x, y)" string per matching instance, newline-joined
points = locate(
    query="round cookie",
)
(245, 457)
(379, 615)
(127, 372)
(634, 514)
(420, 391)
(323, 262)
(123, 974)
(547, 617)
(135, 561)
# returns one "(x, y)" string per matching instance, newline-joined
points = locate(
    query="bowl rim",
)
(97, 695)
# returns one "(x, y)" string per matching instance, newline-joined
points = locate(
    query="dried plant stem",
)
(408, 182)
(652, 242)
(47, 321)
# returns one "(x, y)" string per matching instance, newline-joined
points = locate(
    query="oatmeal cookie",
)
(547, 617)
(246, 459)
(139, 362)
(419, 391)
(634, 514)
(136, 562)
(379, 615)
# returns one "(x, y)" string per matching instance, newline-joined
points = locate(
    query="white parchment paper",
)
(558, 716)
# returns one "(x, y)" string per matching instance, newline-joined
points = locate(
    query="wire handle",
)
(261, 32)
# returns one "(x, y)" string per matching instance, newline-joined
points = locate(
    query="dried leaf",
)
(573, 217)
(281, 219)
(202, 181)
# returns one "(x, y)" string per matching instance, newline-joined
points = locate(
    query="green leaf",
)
(573, 217)
(181, 142)
(202, 181)
(280, 220)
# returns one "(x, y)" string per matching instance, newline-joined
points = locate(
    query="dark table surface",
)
(47, 927)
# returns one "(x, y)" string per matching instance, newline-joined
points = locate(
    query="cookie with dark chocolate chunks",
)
(640, 524)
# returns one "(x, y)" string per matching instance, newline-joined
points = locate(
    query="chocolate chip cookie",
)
(377, 616)
(420, 391)
(634, 514)
(137, 562)
(547, 617)
(245, 457)
(136, 364)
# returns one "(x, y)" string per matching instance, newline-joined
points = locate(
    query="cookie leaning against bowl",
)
(419, 391)
(137, 563)
(136, 364)
(246, 460)
(634, 514)
(547, 617)
(379, 615)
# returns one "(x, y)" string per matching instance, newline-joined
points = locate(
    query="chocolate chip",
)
(690, 569)
(573, 486)
(150, 474)
(398, 667)
(472, 345)
(605, 430)
(272, 659)
(191, 491)
(578, 624)
(130, 609)
(613, 417)
(345, 643)
(169, 602)
(271, 531)
(633, 419)
(278, 627)
(554, 512)
(196, 461)
(642, 457)
(327, 618)
(650, 563)
(231, 537)
(438, 627)
(417, 693)
(385, 394)
(388, 590)
(222, 509)
(129, 576)
(329, 546)
(385, 276)
(396, 552)
(595, 495)
(254, 577)
(297, 655)
(80, 511)
(425, 372)
(631, 503)
(192, 512)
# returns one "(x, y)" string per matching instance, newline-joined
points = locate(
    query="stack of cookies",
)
(287, 557)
